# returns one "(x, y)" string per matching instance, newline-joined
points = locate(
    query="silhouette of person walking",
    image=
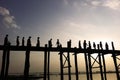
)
(69, 44)
(23, 41)
(29, 41)
(38, 42)
(101, 45)
(94, 45)
(6, 40)
(50, 43)
(79, 44)
(84, 44)
(89, 45)
(106, 45)
(17, 41)
(58, 43)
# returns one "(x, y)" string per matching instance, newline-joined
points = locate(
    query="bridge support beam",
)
(115, 62)
(45, 63)
(27, 64)
(76, 66)
(61, 66)
(100, 63)
(5, 62)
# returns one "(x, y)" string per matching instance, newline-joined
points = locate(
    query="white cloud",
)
(96, 3)
(113, 4)
(4, 11)
(8, 20)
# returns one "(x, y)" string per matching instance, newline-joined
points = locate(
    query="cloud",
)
(111, 4)
(8, 19)
(65, 2)
(96, 3)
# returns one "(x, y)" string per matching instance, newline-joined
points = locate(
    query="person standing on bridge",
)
(50, 43)
(79, 45)
(94, 45)
(38, 42)
(6, 40)
(58, 43)
(17, 41)
(29, 41)
(89, 45)
(84, 44)
(69, 44)
(101, 45)
(23, 42)
(106, 45)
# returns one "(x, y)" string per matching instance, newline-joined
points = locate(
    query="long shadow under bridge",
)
(87, 50)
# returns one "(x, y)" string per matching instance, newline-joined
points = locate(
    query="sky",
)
(94, 20)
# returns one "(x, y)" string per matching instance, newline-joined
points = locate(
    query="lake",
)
(110, 76)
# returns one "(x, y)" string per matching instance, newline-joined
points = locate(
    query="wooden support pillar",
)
(103, 58)
(100, 63)
(27, 64)
(69, 66)
(115, 62)
(45, 62)
(61, 66)
(86, 60)
(7, 62)
(48, 67)
(86, 64)
(68, 56)
(89, 59)
(76, 65)
(3, 63)
(105, 76)
(90, 67)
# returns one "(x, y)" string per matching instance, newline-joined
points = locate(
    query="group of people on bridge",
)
(58, 44)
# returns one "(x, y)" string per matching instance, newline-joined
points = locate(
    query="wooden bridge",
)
(87, 50)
